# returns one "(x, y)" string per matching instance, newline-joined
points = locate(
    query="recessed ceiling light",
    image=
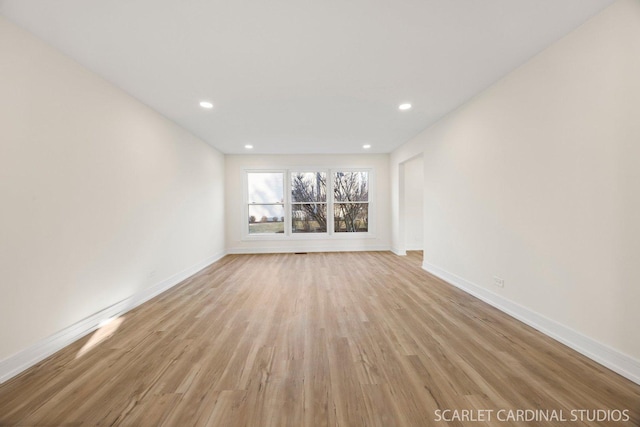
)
(248, 146)
(206, 104)
(366, 146)
(404, 106)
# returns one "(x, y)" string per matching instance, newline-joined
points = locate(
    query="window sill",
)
(308, 236)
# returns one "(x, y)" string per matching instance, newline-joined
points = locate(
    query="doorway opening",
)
(411, 207)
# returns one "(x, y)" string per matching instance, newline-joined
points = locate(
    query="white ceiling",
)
(302, 76)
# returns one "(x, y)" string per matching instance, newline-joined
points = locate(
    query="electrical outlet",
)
(498, 282)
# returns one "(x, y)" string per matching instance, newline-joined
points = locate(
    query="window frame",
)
(291, 203)
(345, 202)
(246, 204)
(330, 234)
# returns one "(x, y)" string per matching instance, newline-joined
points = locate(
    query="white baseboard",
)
(611, 358)
(13, 365)
(399, 252)
(302, 248)
(414, 247)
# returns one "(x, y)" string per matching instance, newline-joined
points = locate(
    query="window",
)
(351, 206)
(266, 202)
(308, 202)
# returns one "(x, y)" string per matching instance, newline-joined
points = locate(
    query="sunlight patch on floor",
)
(105, 330)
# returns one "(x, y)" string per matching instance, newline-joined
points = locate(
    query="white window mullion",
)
(330, 201)
(287, 202)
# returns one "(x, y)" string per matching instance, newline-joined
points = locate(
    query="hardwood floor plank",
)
(323, 339)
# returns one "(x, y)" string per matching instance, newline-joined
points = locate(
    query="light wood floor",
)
(340, 339)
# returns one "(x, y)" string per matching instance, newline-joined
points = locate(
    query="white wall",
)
(537, 180)
(236, 165)
(413, 201)
(101, 197)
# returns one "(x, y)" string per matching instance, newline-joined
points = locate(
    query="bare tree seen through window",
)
(351, 196)
(309, 202)
(317, 200)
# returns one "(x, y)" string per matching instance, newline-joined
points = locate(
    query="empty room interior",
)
(296, 213)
